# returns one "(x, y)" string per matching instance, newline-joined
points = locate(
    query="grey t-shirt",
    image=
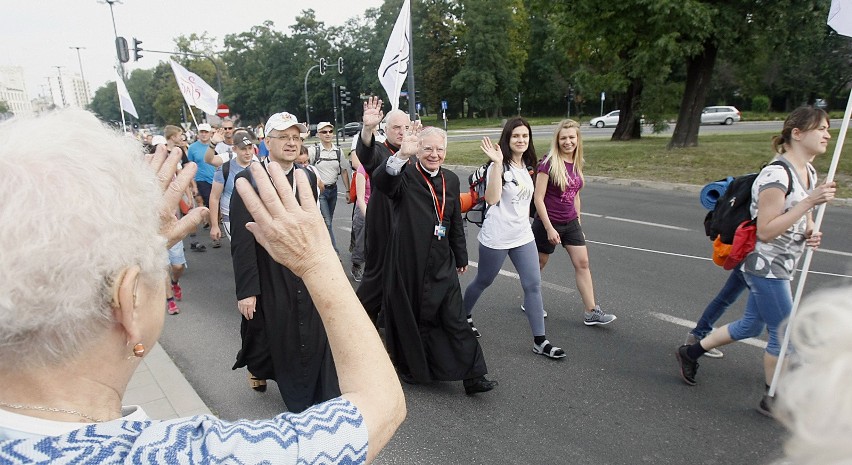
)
(330, 163)
(778, 259)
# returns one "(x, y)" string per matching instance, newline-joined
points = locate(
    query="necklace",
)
(51, 409)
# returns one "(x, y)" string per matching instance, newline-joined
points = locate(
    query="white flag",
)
(840, 17)
(394, 67)
(124, 100)
(195, 91)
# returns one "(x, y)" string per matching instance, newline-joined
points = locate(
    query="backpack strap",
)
(226, 170)
(789, 176)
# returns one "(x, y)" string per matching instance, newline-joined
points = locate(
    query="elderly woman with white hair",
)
(84, 232)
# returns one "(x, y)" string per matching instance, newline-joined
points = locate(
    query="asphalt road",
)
(544, 132)
(616, 398)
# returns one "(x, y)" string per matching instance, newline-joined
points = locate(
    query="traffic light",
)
(121, 49)
(137, 49)
(340, 65)
(345, 96)
(323, 65)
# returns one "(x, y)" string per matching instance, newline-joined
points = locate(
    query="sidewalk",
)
(162, 390)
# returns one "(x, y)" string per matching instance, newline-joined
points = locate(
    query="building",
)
(69, 90)
(13, 91)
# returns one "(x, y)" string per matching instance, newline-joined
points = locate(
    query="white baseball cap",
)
(323, 124)
(158, 139)
(282, 121)
(204, 127)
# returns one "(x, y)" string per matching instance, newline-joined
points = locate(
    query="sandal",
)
(548, 350)
(257, 384)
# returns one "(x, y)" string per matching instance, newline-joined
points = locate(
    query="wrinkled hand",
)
(373, 113)
(294, 235)
(411, 141)
(823, 193)
(246, 306)
(173, 187)
(493, 152)
(461, 269)
(814, 239)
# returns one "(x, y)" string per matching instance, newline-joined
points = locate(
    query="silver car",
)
(720, 115)
(609, 119)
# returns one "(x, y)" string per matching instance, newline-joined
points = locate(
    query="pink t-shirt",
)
(367, 184)
(558, 203)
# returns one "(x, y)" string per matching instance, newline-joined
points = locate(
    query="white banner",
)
(195, 91)
(394, 67)
(840, 17)
(124, 100)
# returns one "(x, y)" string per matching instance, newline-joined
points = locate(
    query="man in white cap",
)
(283, 338)
(331, 164)
(223, 184)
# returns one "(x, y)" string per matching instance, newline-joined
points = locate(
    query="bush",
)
(760, 104)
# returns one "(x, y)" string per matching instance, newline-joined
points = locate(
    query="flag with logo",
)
(124, 100)
(394, 67)
(195, 91)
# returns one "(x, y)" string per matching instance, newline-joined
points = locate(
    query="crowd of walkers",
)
(274, 199)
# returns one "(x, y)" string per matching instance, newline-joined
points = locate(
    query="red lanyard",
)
(438, 213)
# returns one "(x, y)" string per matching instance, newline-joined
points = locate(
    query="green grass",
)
(716, 157)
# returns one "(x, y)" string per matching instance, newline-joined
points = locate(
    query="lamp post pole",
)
(307, 102)
(115, 31)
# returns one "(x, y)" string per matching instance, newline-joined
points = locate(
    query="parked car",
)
(720, 115)
(609, 119)
(350, 129)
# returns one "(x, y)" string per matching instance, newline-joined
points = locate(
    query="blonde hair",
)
(75, 216)
(557, 173)
(814, 400)
(169, 131)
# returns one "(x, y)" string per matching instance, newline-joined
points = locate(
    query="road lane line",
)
(691, 324)
(646, 223)
(835, 252)
(555, 287)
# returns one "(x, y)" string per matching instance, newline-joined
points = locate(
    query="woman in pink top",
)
(557, 202)
(362, 193)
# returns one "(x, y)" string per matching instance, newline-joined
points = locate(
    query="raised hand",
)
(294, 235)
(411, 141)
(492, 151)
(373, 113)
(173, 187)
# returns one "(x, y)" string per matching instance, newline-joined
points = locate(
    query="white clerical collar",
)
(432, 174)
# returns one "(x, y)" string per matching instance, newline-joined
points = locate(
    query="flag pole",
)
(193, 116)
(412, 95)
(844, 126)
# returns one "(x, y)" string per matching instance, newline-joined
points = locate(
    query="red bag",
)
(745, 239)
(353, 195)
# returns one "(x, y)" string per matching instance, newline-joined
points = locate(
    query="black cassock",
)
(285, 340)
(426, 329)
(378, 226)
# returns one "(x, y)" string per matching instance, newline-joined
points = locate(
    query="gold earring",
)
(138, 350)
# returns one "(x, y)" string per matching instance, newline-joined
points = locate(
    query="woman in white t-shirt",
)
(506, 229)
(784, 228)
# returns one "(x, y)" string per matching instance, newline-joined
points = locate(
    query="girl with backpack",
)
(506, 228)
(784, 228)
(557, 202)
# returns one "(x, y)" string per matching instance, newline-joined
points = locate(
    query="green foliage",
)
(760, 104)
(104, 103)
(4, 107)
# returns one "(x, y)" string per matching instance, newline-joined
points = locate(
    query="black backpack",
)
(734, 206)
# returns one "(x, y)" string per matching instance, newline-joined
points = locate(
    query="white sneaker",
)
(525, 310)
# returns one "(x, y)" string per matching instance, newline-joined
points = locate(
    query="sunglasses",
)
(326, 132)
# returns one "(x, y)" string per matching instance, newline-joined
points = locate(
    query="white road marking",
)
(646, 223)
(691, 324)
(835, 252)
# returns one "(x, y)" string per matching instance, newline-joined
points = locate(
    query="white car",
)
(609, 119)
(720, 115)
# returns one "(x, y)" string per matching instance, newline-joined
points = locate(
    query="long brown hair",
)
(803, 118)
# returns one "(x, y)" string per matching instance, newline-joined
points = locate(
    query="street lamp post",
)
(61, 87)
(82, 76)
(115, 31)
(307, 102)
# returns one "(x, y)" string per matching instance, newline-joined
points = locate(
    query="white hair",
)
(397, 113)
(814, 397)
(79, 206)
(433, 131)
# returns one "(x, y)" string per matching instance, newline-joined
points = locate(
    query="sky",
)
(38, 34)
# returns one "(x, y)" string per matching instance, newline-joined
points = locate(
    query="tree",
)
(4, 107)
(104, 103)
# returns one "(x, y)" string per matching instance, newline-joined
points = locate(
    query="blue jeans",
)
(770, 302)
(327, 202)
(734, 286)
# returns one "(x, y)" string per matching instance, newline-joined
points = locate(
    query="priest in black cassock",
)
(379, 222)
(426, 329)
(283, 337)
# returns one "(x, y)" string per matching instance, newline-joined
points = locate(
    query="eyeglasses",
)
(326, 132)
(228, 128)
(286, 138)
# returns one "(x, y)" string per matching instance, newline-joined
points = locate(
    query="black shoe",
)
(472, 327)
(475, 385)
(688, 367)
(766, 405)
(196, 247)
